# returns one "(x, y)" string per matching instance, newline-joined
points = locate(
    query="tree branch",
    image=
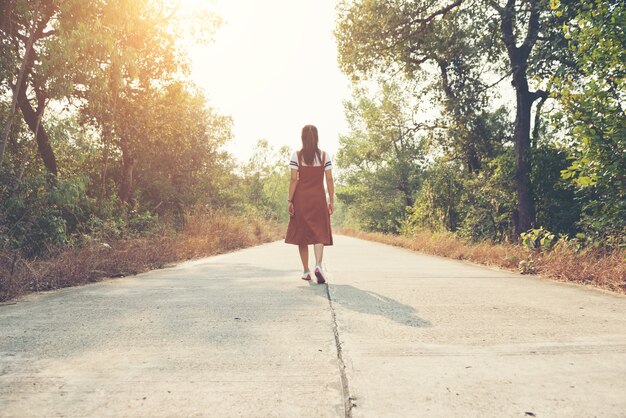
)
(489, 86)
(537, 125)
(533, 30)
(440, 12)
(496, 6)
(539, 94)
(20, 87)
(506, 25)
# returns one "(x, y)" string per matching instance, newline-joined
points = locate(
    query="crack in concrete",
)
(348, 401)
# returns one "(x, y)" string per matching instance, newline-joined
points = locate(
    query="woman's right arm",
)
(293, 182)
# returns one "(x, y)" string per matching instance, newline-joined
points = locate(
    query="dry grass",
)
(203, 235)
(591, 266)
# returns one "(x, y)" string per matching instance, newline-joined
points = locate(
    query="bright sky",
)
(273, 68)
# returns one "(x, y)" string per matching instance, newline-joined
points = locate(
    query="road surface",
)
(395, 334)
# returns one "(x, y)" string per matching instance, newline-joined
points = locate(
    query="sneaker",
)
(306, 275)
(319, 273)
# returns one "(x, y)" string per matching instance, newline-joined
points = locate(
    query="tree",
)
(410, 35)
(25, 25)
(93, 57)
(381, 156)
(178, 158)
(592, 94)
(265, 182)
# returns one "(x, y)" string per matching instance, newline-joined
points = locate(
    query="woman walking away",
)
(310, 213)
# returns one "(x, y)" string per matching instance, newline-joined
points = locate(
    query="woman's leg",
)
(319, 253)
(304, 256)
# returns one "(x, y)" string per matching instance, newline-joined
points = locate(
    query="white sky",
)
(273, 68)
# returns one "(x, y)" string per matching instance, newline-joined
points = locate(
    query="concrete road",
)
(395, 334)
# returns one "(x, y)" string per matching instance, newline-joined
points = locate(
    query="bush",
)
(538, 239)
(39, 218)
(474, 206)
(205, 233)
(437, 206)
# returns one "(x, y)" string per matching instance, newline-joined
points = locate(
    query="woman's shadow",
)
(372, 303)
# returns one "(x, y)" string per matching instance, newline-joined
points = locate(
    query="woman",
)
(310, 214)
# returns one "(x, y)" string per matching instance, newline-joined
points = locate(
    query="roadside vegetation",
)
(489, 131)
(111, 160)
(204, 234)
(563, 262)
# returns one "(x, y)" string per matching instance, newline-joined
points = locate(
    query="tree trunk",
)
(108, 125)
(518, 57)
(128, 165)
(32, 119)
(403, 176)
(104, 169)
(21, 75)
(470, 139)
(474, 165)
(521, 137)
(537, 125)
(404, 188)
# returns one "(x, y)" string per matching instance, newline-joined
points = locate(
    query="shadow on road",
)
(372, 303)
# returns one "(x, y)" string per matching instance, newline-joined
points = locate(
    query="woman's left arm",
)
(331, 191)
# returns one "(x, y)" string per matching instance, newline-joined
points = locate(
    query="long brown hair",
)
(309, 145)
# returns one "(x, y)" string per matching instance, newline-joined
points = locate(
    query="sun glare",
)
(272, 66)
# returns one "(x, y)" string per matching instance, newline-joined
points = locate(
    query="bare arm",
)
(330, 185)
(293, 182)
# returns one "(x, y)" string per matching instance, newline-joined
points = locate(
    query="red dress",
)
(310, 223)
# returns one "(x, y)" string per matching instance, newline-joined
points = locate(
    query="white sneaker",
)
(319, 273)
(306, 275)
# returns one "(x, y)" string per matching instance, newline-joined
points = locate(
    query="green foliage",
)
(173, 141)
(381, 157)
(135, 142)
(264, 183)
(538, 239)
(558, 209)
(471, 179)
(437, 205)
(372, 202)
(488, 202)
(141, 223)
(592, 94)
(38, 219)
(475, 206)
(459, 48)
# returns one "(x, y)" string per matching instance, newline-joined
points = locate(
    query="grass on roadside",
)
(590, 266)
(203, 235)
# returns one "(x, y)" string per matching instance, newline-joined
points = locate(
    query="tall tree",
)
(174, 143)
(24, 26)
(131, 54)
(518, 56)
(94, 56)
(378, 35)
